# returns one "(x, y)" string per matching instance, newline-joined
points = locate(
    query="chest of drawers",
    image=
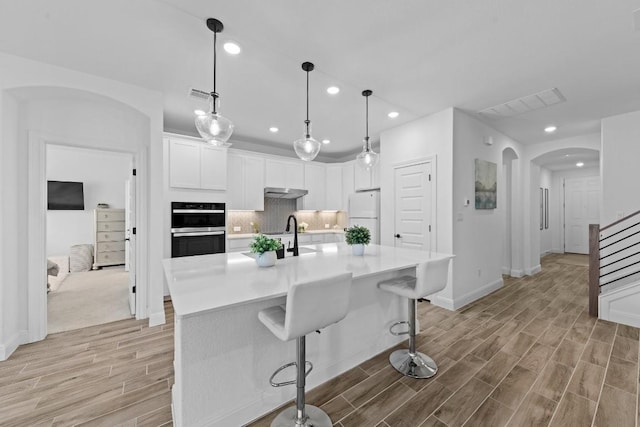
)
(109, 228)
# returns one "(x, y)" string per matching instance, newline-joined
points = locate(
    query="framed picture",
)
(486, 184)
(541, 208)
(546, 208)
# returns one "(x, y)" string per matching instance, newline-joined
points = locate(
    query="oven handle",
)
(215, 211)
(198, 233)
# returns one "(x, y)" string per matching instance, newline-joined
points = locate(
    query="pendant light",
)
(306, 147)
(367, 158)
(213, 127)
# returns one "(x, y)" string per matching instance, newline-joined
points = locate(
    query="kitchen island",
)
(224, 356)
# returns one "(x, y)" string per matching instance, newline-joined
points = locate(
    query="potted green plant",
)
(357, 236)
(265, 249)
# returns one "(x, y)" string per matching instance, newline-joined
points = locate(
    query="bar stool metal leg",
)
(409, 362)
(302, 415)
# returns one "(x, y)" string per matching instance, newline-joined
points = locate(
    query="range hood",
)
(284, 193)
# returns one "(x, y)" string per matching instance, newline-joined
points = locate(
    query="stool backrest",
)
(315, 305)
(432, 276)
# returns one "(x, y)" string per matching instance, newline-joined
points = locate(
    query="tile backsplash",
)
(275, 214)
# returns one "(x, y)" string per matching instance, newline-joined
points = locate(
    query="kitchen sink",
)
(301, 251)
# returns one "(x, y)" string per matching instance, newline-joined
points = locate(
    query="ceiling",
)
(418, 57)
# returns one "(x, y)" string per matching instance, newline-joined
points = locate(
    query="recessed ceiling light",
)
(326, 141)
(579, 164)
(199, 112)
(393, 114)
(550, 129)
(273, 129)
(332, 90)
(232, 48)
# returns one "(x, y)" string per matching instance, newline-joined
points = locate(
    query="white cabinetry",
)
(196, 164)
(284, 174)
(366, 179)
(348, 184)
(109, 237)
(245, 184)
(314, 182)
(334, 188)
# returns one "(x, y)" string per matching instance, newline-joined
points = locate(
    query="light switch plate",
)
(326, 226)
(237, 228)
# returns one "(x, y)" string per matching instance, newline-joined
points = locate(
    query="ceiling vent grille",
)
(200, 95)
(525, 104)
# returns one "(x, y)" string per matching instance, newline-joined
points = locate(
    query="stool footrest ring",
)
(402, 322)
(308, 365)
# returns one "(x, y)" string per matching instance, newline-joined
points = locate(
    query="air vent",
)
(200, 95)
(525, 104)
(636, 20)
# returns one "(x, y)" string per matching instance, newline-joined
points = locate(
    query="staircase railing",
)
(614, 255)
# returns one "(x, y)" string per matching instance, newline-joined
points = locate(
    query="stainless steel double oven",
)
(197, 228)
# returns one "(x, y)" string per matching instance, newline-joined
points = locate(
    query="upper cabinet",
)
(314, 182)
(334, 188)
(196, 164)
(245, 182)
(366, 179)
(284, 174)
(348, 184)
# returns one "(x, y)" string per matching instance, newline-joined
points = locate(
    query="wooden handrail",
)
(619, 221)
(594, 268)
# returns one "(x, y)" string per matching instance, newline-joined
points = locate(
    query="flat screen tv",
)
(66, 196)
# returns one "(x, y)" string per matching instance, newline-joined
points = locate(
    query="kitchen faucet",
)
(294, 249)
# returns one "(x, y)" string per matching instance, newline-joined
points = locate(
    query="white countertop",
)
(211, 282)
(250, 235)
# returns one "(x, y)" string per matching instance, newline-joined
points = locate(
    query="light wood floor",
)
(118, 373)
(527, 354)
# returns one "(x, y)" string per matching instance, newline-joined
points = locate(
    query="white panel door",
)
(413, 206)
(581, 208)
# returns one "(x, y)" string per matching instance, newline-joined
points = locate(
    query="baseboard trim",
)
(506, 270)
(533, 270)
(7, 349)
(157, 318)
(624, 318)
(456, 303)
(517, 273)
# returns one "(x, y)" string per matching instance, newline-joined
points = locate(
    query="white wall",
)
(477, 233)
(619, 166)
(57, 105)
(546, 182)
(103, 174)
(429, 136)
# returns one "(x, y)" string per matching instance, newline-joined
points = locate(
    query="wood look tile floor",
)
(118, 373)
(526, 355)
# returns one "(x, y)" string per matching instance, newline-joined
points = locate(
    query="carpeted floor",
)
(89, 298)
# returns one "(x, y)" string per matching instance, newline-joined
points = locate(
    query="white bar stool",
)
(431, 277)
(310, 306)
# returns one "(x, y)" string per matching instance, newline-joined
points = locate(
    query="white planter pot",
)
(267, 259)
(357, 249)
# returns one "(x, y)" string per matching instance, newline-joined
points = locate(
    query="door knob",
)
(397, 236)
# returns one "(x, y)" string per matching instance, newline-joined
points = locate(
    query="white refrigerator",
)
(364, 210)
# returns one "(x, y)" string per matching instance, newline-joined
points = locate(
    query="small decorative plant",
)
(255, 226)
(262, 244)
(357, 235)
(302, 227)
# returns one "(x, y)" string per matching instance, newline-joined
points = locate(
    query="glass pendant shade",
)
(214, 128)
(368, 158)
(307, 148)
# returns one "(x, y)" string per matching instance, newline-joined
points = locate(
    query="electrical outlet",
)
(326, 226)
(237, 228)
